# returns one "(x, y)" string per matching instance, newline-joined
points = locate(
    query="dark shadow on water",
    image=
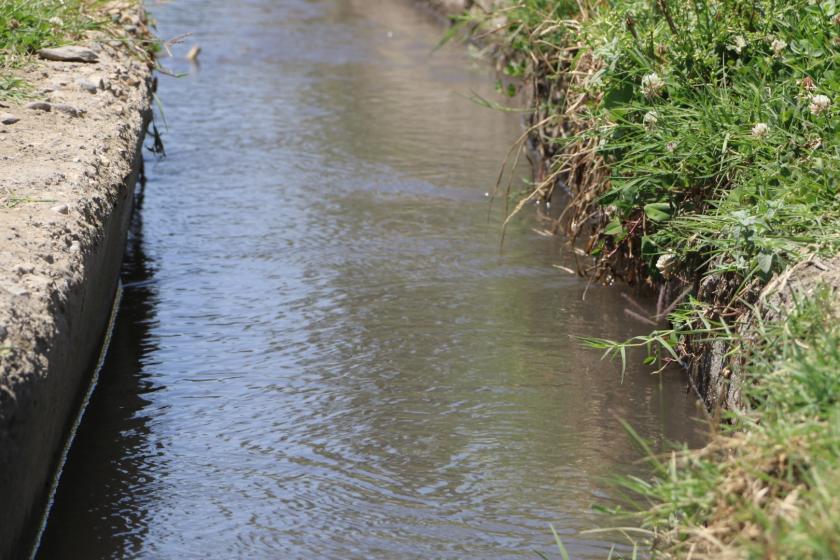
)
(113, 434)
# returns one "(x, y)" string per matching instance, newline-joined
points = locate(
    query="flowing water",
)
(321, 352)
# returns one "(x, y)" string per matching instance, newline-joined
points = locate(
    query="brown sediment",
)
(70, 163)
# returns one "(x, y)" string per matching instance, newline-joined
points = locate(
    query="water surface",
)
(321, 352)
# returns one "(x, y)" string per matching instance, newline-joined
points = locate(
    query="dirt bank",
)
(70, 163)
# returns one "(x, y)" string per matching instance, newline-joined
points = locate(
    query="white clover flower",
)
(652, 84)
(738, 44)
(671, 146)
(650, 120)
(778, 46)
(665, 264)
(760, 130)
(57, 21)
(819, 104)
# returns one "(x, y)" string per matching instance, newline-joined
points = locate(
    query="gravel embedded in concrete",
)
(87, 85)
(67, 109)
(39, 106)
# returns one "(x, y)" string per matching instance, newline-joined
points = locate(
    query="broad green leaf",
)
(658, 211)
(765, 262)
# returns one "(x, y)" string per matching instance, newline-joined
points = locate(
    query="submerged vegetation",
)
(697, 144)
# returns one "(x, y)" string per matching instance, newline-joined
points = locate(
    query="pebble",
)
(68, 109)
(60, 209)
(192, 56)
(87, 85)
(8, 118)
(21, 269)
(70, 53)
(39, 106)
(16, 290)
(4, 332)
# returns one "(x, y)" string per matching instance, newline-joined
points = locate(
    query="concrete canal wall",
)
(71, 155)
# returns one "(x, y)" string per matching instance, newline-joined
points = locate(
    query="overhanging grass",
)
(715, 121)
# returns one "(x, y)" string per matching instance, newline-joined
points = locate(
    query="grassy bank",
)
(697, 143)
(29, 25)
(694, 136)
(768, 485)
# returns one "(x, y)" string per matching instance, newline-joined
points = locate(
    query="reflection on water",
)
(321, 352)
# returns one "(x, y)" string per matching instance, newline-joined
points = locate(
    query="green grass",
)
(714, 193)
(726, 161)
(13, 88)
(29, 25)
(768, 486)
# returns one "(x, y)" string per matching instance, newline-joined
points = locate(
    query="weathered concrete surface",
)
(69, 166)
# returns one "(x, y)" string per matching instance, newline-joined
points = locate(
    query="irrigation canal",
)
(321, 352)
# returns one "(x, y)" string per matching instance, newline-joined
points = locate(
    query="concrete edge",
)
(54, 310)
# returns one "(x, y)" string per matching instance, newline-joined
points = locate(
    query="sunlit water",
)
(321, 352)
